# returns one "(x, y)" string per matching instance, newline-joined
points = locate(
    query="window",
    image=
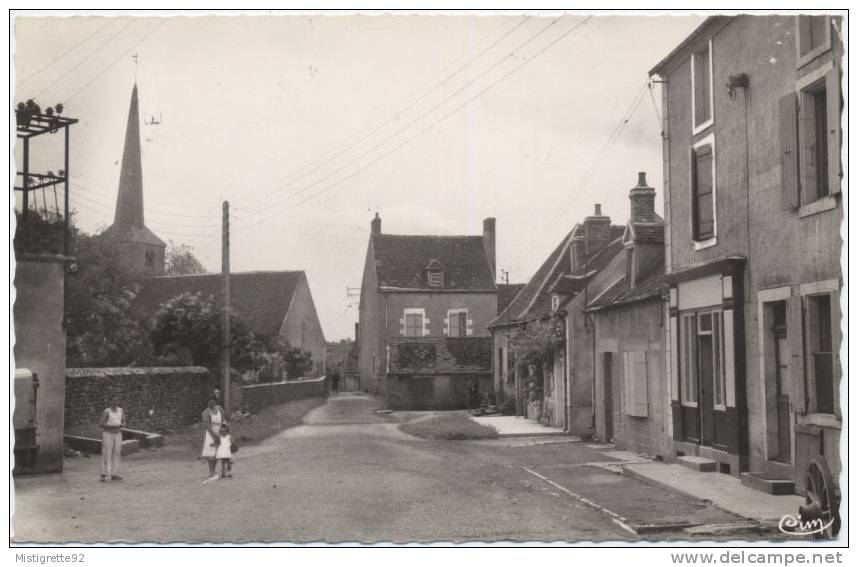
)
(457, 325)
(813, 37)
(689, 359)
(821, 356)
(710, 330)
(702, 337)
(555, 302)
(435, 278)
(149, 259)
(413, 324)
(703, 190)
(635, 384)
(701, 88)
(500, 373)
(813, 133)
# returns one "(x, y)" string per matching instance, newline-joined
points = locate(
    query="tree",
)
(102, 326)
(298, 363)
(535, 345)
(189, 323)
(180, 261)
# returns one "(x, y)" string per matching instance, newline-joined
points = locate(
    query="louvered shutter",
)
(832, 91)
(641, 408)
(795, 335)
(789, 150)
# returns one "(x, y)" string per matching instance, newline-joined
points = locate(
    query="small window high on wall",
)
(703, 190)
(813, 37)
(701, 92)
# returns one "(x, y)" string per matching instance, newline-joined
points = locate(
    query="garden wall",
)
(258, 396)
(155, 399)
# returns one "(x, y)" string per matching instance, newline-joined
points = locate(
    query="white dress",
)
(209, 450)
(224, 450)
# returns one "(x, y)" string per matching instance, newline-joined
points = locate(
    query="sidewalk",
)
(724, 491)
(514, 426)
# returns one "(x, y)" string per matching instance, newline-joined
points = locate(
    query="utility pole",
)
(226, 308)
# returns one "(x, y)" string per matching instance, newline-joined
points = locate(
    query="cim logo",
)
(796, 526)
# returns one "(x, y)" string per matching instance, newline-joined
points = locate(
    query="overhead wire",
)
(397, 114)
(65, 54)
(526, 61)
(424, 115)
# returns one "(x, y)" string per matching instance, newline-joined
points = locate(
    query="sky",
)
(310, 124)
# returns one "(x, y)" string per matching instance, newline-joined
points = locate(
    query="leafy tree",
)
(189, 326)
(535, 344)
(102, 327)
(298, 363)
(180, 261)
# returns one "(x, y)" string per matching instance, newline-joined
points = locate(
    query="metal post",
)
(66, 204)
(26, 180)
(226, 308)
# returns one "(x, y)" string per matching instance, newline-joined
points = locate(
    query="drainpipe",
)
(566, 375)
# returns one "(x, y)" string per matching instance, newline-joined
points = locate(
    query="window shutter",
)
(835, 349)
(789, 150)
(627, 379)
(639, 384)
(695, 224)
(832, 91)
(795, 335)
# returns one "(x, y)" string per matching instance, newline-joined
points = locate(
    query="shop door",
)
(706, 381)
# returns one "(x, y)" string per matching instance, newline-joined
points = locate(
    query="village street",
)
(349, 475)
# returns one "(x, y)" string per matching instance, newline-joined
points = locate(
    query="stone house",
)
(753, 210)
(424, 306)
(631, 405)
(582, 265)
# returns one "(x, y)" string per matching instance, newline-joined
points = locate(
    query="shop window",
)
(818, 333)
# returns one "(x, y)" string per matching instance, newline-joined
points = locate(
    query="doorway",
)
(608, 381)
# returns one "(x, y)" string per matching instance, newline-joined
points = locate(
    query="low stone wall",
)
(258, 396)
(155, 399)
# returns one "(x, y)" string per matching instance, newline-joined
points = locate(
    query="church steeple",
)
(142, 250)
(129, 203)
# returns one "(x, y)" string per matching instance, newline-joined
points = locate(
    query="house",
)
(270, 304)
(582, 265)
(631, 402)
(142, 250)
(753, 210)
(425, 302)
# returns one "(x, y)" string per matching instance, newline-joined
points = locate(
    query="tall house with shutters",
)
(424, 306)
(752, 170)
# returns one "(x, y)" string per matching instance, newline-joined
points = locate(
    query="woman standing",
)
(112, 422)
(213, 418)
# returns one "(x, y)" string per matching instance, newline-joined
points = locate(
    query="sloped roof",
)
(506, 293)
(534, 300)
(651, 286)
(401, 260)
(439, 355)
(260, 299)
(649, 232)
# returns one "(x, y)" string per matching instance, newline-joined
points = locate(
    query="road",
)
(349, 475)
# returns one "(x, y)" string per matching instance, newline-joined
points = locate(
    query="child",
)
(223, 453)
(112, 422)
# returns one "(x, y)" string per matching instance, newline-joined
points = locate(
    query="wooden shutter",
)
(832, 91)
(795, 335)
(788, 107)
(695, 224)
(641, 407)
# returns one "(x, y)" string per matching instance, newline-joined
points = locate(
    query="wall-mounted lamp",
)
(652, 82)
(740, 81)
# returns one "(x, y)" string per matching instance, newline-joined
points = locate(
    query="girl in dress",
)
(213, 419)
(224, 451)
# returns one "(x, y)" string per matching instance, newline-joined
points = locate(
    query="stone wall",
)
(258, 396)
(155, 399)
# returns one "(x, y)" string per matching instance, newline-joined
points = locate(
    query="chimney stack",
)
(597, 228)
(642, 199)
(489, 243)
(376, 225)
(357, 333)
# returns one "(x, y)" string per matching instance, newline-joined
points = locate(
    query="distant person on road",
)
(112, 422)
(213, 419)
(335, 382)
(473, 395)
(223, 453)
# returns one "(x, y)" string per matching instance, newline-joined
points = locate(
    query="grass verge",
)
(453, 427)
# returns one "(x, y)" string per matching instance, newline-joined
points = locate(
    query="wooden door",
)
(608, 381)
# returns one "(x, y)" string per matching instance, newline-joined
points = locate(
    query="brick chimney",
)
(376, 225)
(597, 228)
(642, 199)
(489, 243)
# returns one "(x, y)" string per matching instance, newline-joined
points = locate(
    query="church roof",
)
(261, 300)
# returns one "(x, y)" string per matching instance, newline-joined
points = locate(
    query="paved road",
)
(349, 475)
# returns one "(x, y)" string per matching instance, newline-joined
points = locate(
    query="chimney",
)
(376, 225)
(597, 229)
(489, 243)
(642, 199)
(357, 333)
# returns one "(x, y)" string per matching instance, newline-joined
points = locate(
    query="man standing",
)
(112, 422)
